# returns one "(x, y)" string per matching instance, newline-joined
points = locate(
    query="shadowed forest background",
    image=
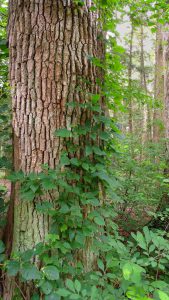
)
(84, 151)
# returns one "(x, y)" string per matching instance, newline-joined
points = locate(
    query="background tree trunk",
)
(130, 104)
(50, 44)
(159, 86)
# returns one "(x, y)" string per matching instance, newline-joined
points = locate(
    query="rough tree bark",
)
(49, 44)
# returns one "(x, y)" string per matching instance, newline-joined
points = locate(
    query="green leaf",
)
(27, 255)
(52, 296)
(63, 228)
(47, 184)
(75, 162)
(65, 161)
(35, 297)
(28, 196)
(88, 150)
(99, 220)
(2, 257)
(151, 248)
(147, 235)
(162, 295)
(70, 285)
(74, 297)
(127, 271)
(77, 285)
(100, 264)
(63, 292)
(2, 247)
(16, 176)
(159, 284)
(13, 267)
(46, 287)
(141, 241)
(104, 136)
(44, 207)
(98, 151)
(51, 272)
(166, 180)
(85, 166)
(95, 98)
(30, 272)
(94, 293)
(64, 133)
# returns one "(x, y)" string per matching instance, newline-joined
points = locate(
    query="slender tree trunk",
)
(166, 85)
(50, 43)
(147, 132)
(159, 87)
(130, 104)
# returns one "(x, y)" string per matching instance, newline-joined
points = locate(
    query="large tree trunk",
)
(49, 43)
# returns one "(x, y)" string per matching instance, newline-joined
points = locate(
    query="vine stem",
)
(24, 297)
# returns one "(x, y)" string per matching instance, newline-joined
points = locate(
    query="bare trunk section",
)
(130, 105)
(159, 87)
(49, 42)
(166, 85)
(147, 129)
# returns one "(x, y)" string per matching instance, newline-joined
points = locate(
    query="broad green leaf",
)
(63, 292)
(70, 285)
(85, 166)
(88, 150)
(51, 272)
(141, 241)
(2, 257)
(64, 133)
(162, 295)
(147, 235)
(46, 287)
(95, 98)
(47, 184)
(52, 296)
(35, 297)
(74, 297)
(75, 162)
(98, 151)
(64, 160)
(30, 272)
(44, 207)
(99, 220)
(127, 271)
(94, 293)
(159, 284)
(104, 136)
(2, 247)
(28, 196)
(77, 285)
(13, 267)
(100, 264)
